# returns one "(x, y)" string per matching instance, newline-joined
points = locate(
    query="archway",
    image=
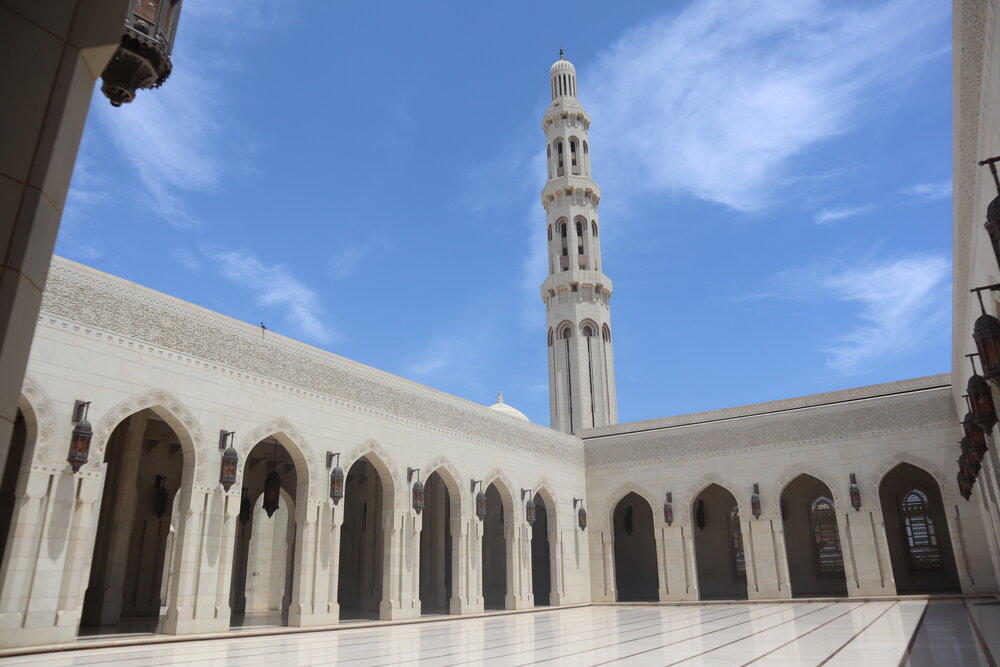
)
(718, 545)
(541, 556)
(635, 550)
(8, 485)
(131, 558)
(917, 532)
(436, 554)
(362, 542)
(812, 540)
(264, 555)
(494, 551)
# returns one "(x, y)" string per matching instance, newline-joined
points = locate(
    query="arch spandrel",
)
(615, 497)
(544, 489)
(742, 504)
(297, 447)
(506, 488)
(377, 455)
(36, 407)
(947, 494)
(168, 408)
(450, 476)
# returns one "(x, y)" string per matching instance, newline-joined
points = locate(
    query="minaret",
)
(576, 292)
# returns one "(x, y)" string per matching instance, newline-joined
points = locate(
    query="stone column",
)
(331, 537)
(765, 543)
(608, 551)
(557, 595)
(409, 563)
(662, 586)
(468, 595)
(675, 565)
(302, 608)
(690, 564)
(393, 606)
(52, 53)
(862, 536)
(956, 518)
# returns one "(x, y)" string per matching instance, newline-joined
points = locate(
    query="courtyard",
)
(883, 632)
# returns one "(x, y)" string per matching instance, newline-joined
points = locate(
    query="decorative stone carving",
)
(290, 438)
(36, 406)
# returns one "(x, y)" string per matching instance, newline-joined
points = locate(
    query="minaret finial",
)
(500, 397)
(561, 53)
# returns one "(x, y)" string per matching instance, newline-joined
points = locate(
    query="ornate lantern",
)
(986, 333)
(230, 460)
(581, 515)
(993, 210)
(699, 515)
(529, 507)
(246, 509)
(480, 500)
(981, 399)
(855, 493)
(969, 451)
(755, 501)
(272, 486)
(336, 478)
(974, 434)
(79, 443)
(965, 484)
(160, 497)
(668, 509)
(970, 469)
(418, 490)
(143, 57)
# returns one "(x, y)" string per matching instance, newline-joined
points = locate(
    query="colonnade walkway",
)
(847, 632)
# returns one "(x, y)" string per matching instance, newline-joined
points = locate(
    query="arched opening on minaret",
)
(718, 545)
(551, 337)
(917, 532)
(586, 159)
(560, 167)
(635, 550)
(362, 542)
(548, 159)
(133, 547)
(436, 545)
(541, 557)
(494, 551)
(812, 540)
(574, 157)
(260, 591)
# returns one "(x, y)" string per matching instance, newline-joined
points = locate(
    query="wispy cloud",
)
(901, 304)
(830, 215)
(346, 261)
(273, 286)
(717, 100)
(924, 192)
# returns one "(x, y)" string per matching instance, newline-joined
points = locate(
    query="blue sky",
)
(776, 182)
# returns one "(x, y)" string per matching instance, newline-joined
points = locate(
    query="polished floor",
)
(892, 632)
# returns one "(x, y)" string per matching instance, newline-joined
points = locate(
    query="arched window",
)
(560, 169)
(588, 331)
(566, 332)
(586, 159)
(550, 232)
(593, 227)
(827, 558)
(606, 333)
(923, 553)
(574, 159)
(736, 543)
(562, 229)
(551, 337)
(548, 158)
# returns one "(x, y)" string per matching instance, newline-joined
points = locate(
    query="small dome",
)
(508, 410)
(562, 65)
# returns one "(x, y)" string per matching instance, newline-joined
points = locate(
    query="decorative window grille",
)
(828, 560)
(923, 554)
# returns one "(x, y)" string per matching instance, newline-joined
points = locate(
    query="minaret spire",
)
(576, 292)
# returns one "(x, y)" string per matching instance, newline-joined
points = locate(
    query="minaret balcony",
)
(569, 182)
(564, 279)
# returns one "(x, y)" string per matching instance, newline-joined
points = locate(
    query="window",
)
(736, 544)
(593, 227)
(551, 338)
(567, 332)
(550, 232)
(923, 553)
(588, 331)
(560, 169)
(606, 333)
(573, 158)
(827, 558)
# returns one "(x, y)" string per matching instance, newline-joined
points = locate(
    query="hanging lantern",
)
(246, 509)
(993, 210)
(272, 490)
(529, 512)
(974, 434)
(981, 400)
(986, 333)
(668, 509)
(969, 451)
(855, 493)
(965, 484)
(143, 56)
(755, 501)
(970, 469)
(336, 478)
(699, 515)
(418, 496)
(79, 442)
(230, 460)
(581, 518)
(481, 504)
(160, 497)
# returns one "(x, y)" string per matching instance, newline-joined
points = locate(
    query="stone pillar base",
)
(389, 611)
(192, 621)
(53, 634)
(464, 606)
(298, 620)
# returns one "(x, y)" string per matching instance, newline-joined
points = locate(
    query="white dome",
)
(508, 410)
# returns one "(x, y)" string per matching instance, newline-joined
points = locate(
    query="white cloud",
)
(717, 100)
(346, 261)
(827, 216)
(274, 286)
(901, 303)
(923, 192)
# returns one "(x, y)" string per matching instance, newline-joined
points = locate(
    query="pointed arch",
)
(36, 407)
(168, 408)
(451, 477)
(383, 464)
(506, 488)
(544, 489)
(947, 494)
(790, 473)
(615, 497)
(706, 481)
(289, 437)
(589, 328)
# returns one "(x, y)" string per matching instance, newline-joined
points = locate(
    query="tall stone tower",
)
(576, 292)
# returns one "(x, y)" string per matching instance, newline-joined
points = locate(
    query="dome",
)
(508, 410)
(562, 65)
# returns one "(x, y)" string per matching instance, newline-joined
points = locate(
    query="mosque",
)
(173, 470)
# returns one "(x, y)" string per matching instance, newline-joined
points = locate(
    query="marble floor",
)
(891, 632)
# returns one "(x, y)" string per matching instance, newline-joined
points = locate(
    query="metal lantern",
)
(981, 399)
(272, 490)
(971, 470)
(418, 490)
(993, 210)
(79, 443)
(969, 451)
(986, 333)
(755, 501)
(246, 509)
(965, 484)
(143, 56)
(581, 515)
(230, 459)
(336, 478)
(974, 434)
(668, 509)
(699, 515)
(481, 505)
(160, 497)
(855, 493)
(529, 512)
